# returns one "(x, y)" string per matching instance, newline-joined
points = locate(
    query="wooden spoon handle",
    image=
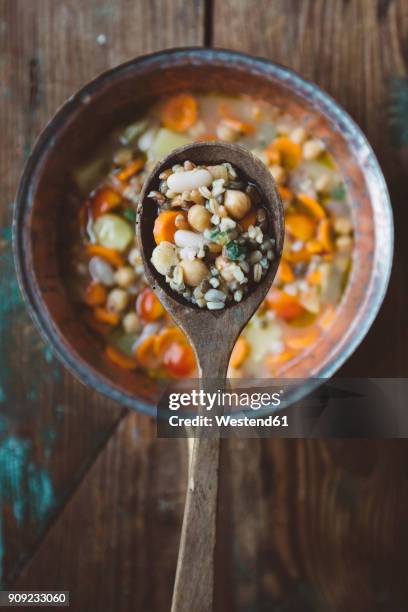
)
(194, 585)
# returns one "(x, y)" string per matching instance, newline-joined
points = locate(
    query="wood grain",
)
(307, 525)
(52, 427)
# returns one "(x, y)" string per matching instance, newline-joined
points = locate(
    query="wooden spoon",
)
(212, 335)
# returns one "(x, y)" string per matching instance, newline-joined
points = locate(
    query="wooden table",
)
(90, 501)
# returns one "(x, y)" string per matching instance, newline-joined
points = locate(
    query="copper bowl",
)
(45, 195)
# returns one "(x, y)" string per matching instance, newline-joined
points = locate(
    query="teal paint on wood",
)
(25, 486)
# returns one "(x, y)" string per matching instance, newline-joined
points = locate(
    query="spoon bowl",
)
(212, 335)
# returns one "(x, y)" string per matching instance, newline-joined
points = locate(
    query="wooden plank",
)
(117, 540)
(317, 525)
(51, 427)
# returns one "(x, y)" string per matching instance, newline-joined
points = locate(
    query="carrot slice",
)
(312, 205)
(104, 200)
(130, 169)
(324, 235)
(232, 121)
(302, 341)
(297, 256)
(315, 277)
(106, 316)
(288, 152)
(287, 307)
(145, 353)
(206, 136)
(240, 352)
(279, 358)
(285, 272)
(148, 306)
(119, 359)
(285, 193)
(95, 294)
(180, 112)
(109, 255)
(300, 226)
(249, 219)
(165, 225)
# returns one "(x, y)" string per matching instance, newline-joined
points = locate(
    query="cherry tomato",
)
(148, 306)
(179, 359)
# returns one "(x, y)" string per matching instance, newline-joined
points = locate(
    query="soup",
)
(106, 270)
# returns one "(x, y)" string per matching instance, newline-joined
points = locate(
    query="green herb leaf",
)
(234, 251)
(130, 214)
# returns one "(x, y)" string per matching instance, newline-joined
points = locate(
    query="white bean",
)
(101, 271)
(185, 238)
(188, 180)
(214, 295)
(215, 305)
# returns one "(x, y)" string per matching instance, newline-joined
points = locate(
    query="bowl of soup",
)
(74, 227)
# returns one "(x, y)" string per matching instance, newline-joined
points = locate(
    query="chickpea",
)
(194, 271)
(237, 203)
(125, 276)
(117, 300)
(225, 269)
(199, 217)
(131, 323)
(214, 247)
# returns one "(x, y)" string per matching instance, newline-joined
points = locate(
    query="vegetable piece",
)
(302, 341)
(164, 257)
(312, 205)
(279, 358)
(234, 251)
(109, 255)
(113, 232)
(240, 352)
(166, 141)
(233, 122)
(289, 153)
(165, 338)
(95, 294)
(286, 306)
(145, 353)
(324, 235)
(338, 192)
(105, 199)
(130, 169)
(300, 226)
(285, 272)
(249, 219)
(194, 271)
(119, 359)
(285, 193)
(106, 316)
(199, 217)
(130, 214)
(312, 148)
(165, 226)
(132, 131)
(179, 359)
(148, 306)
(237, 203)
(180, 112)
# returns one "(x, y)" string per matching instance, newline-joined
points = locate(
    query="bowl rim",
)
(292, 80)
